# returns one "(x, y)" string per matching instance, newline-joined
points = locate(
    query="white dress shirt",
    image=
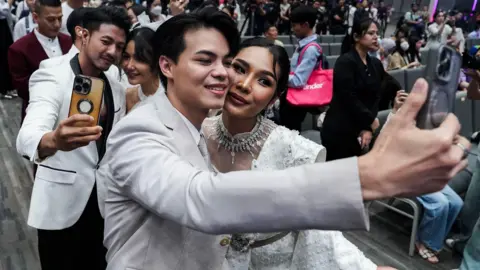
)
(23, 27)
(50, 46)
(66, 11)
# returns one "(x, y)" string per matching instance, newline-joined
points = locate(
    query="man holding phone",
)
(69, 149)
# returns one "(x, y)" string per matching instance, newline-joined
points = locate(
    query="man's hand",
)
(178, 7)
(76, 131)
(399, 100)
(407, 161)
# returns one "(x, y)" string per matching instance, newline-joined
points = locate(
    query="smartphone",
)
(441, 72)
(87, 97)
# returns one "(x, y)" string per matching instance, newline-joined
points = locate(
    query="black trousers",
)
(5, 42)
(79, 247)
(339, 147)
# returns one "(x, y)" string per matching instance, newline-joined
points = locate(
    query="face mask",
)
(404, 45)
(157, 10)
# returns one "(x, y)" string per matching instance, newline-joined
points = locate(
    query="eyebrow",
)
(209, 53)
(265, 72)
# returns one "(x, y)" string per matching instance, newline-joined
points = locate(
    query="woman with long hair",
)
(241, 138)
(351, 119)
(138, 67)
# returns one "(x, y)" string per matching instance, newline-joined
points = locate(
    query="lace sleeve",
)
(285, 148)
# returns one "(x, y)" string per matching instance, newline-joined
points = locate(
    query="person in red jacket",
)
(45, 41)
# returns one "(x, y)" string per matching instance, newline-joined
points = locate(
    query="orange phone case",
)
(87, 101)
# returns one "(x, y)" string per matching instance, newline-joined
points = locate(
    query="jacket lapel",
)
(65, 44)
(37, 49)
(185, 143)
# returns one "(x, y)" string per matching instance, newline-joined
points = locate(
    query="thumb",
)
(414, 101)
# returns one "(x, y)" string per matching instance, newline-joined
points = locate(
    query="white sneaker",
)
(7, 96)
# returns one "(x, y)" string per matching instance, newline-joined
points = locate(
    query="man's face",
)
(271, 33)
(104, 47)
(49, 20)
(316, 4)
(199, 79)
(30, 4)
(299, 29)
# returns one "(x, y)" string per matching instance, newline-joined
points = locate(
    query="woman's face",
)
(131, 16)
(253, 82)
(440, 18)
(137, 71)
(370, 39)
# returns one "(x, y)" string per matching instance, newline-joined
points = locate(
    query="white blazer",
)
(164, 210)
(64, 181)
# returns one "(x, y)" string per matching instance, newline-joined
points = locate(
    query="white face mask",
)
(404, 45)
(157, 10)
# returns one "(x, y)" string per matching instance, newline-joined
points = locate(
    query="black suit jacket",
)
(356, 96)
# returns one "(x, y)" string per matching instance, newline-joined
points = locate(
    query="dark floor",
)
(385, 244)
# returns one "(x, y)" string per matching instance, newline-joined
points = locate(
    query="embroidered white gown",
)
(278, 148)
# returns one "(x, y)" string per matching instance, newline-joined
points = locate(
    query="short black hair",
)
(169, 39)
(115, 3)
(39, 4)
(76, 19)
(138, 9)
(142, 37)
(304, 14)
(267, 27)
(117, 16)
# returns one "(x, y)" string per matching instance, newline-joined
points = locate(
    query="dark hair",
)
(169, 39)
(76, 19)
(280, 57)
(268, 26)
(304, 14)
(114, 3)
(412, 51)
(117, 16)
(359, 29)
(142, 37)
(138, 9)
(39, 4)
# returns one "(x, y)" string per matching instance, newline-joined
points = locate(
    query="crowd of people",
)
(196, 161)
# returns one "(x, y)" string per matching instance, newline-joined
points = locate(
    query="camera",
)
(82, 85)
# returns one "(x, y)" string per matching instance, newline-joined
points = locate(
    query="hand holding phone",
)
(87, 98)
(76, 131)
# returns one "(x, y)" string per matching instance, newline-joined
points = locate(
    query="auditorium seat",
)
(325, 48)
(338, 38)
(411, 76)
(290, 49)
(332, 60)
(326, 39)
(335, 48)
(399, 75)
(463, 110)
(423, 56)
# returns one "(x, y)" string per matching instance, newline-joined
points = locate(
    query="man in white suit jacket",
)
(64, 205)
(165, 210)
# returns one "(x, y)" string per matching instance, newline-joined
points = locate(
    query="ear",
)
(166, 66)
(85, 36)
(355, 37)
(78, 31)
(35, 17)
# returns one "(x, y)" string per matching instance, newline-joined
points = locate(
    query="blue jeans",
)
(471, 254)
(440, 211)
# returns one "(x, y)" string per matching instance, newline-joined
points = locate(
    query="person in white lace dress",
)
(135, 62)
(242, 139)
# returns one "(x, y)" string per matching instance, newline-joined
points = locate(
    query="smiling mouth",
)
(237, 99)
(217, 89)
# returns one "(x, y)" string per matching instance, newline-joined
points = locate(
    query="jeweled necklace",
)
(243, 142)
